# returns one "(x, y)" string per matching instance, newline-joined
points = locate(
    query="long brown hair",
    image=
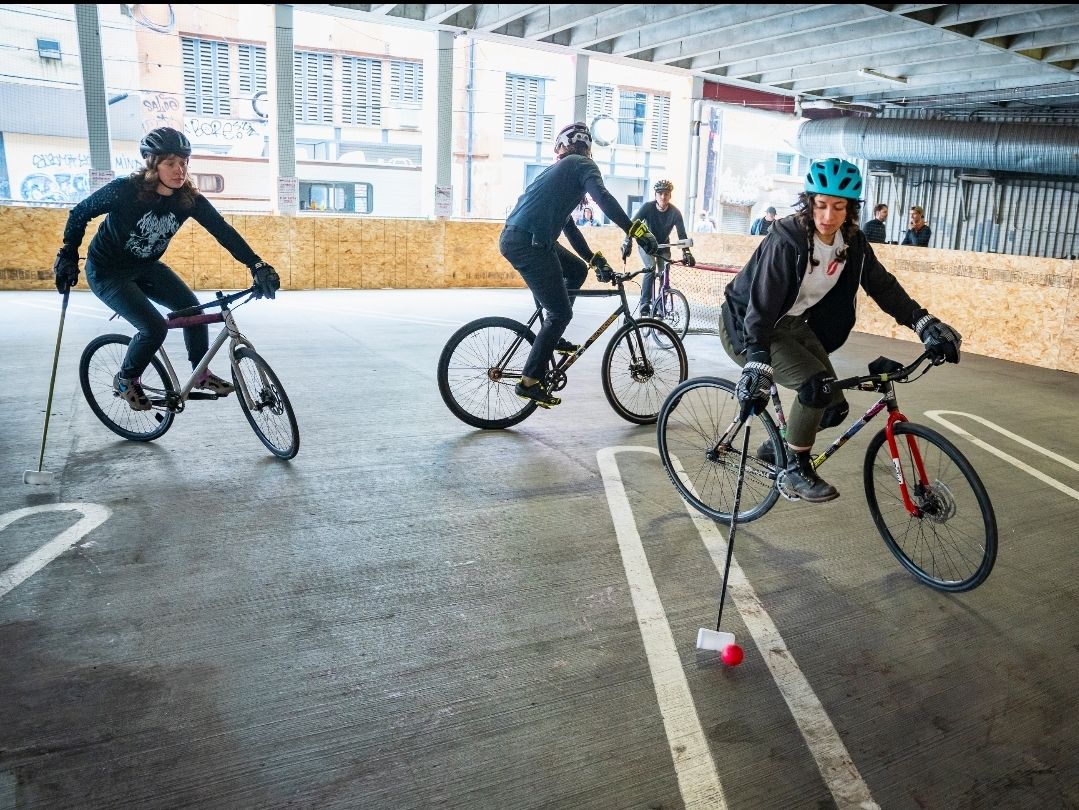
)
(803, 215)
(146, 180)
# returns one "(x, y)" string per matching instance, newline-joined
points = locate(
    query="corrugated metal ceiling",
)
(908, 55)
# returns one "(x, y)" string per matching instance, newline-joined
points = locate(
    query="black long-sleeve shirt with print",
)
(137, 232)
(661, 223)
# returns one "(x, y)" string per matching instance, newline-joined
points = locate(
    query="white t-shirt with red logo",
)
(819, 279)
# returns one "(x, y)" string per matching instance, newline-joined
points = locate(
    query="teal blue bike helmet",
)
(835, 177)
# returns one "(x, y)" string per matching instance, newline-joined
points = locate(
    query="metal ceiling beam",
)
(725, 19)
(1026, 22)
(1045, 39)
(437, 13)
(960, 14)
(855, 85)
(492, 17)
(594, 31)
(967, 82)
(833, 35)
(886, 61)
(771, 36)
(552, 20)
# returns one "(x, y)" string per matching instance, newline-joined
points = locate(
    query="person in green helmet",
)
(793, 304)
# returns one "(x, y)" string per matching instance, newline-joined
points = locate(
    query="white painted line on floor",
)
(833, 761)
(698, 781)
(1045, 479)
(93, 515)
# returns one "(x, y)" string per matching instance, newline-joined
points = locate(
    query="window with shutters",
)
(252, 62)
(361, 91)
(312, 75)
(206, 77)
(524, 116)
(631, 112)
(661, 120)
(600, 101)
(406, 82)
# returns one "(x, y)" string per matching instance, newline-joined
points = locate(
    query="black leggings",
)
(132, 293)
(550, 273)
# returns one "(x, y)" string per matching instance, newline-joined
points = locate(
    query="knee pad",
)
(834, 414)
(817, 391)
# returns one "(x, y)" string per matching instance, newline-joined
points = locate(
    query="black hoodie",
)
(766, 289)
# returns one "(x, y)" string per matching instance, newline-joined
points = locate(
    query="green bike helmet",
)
(834, 177)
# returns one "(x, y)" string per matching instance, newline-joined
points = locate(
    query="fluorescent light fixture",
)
(869, 73)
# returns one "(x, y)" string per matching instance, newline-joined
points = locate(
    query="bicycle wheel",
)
(952, 545)
(270, 413)
(476, 388)
(100, 361)
(637, 379)
(691, 423)
(672, 308)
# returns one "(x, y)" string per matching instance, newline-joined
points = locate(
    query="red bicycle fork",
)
(916, 458)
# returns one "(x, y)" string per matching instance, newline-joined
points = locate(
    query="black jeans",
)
(550, 273)
(130, 291)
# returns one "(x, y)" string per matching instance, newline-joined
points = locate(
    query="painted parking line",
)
(697, 778)
(938, 416)
(93, 515)
(676, 703)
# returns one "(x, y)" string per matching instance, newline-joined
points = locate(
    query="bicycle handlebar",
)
(221, 301)
(869, 382)
(685, 243)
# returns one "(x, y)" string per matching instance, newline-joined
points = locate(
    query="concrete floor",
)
(417, 614)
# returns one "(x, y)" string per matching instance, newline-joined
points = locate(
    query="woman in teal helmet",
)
(794, 303)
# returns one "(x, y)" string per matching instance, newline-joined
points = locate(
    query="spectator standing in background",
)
(918, 234)
(704, 224)
(874, 228)
(762, 224)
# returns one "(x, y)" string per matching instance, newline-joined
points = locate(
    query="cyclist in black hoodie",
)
(794, 303)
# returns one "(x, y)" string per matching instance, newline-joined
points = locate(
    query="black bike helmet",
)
(164, 141)
(574, 138)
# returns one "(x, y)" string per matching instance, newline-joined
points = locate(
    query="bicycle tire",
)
(98, 365)
(672, 308)
(953, 545)
(690, 424)
(473, 389)
(636, 385)
(273, 419)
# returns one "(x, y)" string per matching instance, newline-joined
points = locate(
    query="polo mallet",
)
(40, 477)
(723, 642)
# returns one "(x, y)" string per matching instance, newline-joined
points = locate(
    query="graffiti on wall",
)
(161, 110)
(62, 177)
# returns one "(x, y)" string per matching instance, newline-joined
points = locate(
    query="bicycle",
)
(669, 304)
(940, 526)
(483, 360)
(261, 395)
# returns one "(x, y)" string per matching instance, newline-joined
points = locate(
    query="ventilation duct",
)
(994, 146)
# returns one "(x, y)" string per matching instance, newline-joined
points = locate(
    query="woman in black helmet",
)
(123, 268)
(530, 243)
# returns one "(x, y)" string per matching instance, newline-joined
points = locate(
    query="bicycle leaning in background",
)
(925, 498)
(484, 359)
(261, 395)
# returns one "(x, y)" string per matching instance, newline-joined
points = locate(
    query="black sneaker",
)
(803, 481)
(537, 393)
(565, 347)
(646, 310)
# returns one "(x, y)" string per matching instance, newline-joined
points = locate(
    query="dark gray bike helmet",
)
(164, 141)
(574, 138)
